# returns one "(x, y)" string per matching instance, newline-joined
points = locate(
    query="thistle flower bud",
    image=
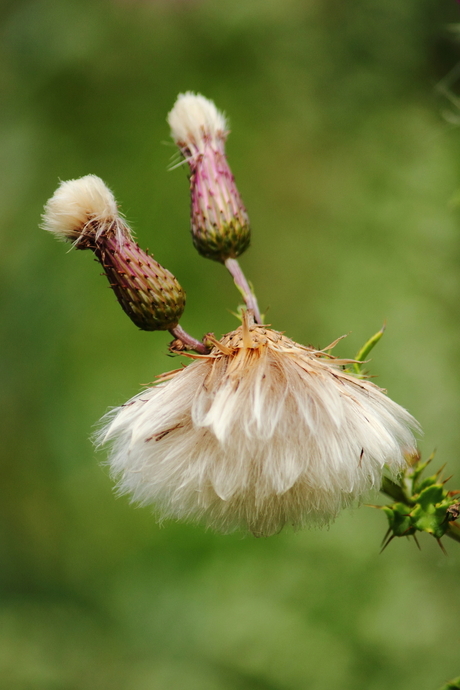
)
(219, 221)
(260, 433)
(85, 212)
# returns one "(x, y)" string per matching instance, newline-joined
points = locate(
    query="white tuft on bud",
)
(260, 433)
(77, 203)
(194, 120)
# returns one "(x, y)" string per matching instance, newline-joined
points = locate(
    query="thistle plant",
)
(421, 504)
(258, 431)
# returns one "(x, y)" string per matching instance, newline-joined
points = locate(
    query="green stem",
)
(453, 531)
(393, 490)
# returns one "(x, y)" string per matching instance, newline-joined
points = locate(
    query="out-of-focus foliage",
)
(452, 685)
(347, 167)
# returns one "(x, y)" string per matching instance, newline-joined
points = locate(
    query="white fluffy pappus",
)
(78, 203)
(260, 433)
(194, 120)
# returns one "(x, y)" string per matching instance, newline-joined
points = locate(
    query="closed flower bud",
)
(84, 212)
(219, 222)
(261, 433)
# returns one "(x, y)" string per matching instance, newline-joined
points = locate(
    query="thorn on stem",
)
(388, 542)
(440, 470)
(387, 534)
(441, 546)
(446, 480)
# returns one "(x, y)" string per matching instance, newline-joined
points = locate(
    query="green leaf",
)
(430, 496)
(366, 348)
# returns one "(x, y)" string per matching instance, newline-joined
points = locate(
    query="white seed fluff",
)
(75, 204)
(194, 120)
(261, 433)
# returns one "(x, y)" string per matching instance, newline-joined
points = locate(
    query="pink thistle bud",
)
(85, 212)
(219, 221)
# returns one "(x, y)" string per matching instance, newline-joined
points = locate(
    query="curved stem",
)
(189, 341)
(243, 286)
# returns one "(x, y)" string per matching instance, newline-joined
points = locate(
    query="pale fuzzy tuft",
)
(194, 120)
(261, 433)
(77, 203)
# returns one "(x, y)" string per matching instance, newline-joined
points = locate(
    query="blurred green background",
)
(348, 159)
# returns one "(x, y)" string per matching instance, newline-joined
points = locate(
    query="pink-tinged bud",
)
(85, 212)
(219, 221)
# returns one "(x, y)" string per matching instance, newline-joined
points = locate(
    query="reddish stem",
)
(243, 286)
(188, 340)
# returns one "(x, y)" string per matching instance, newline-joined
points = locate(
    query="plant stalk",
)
(189, 341)
(243, 286)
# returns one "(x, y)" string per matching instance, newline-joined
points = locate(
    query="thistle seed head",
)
(261, 433)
